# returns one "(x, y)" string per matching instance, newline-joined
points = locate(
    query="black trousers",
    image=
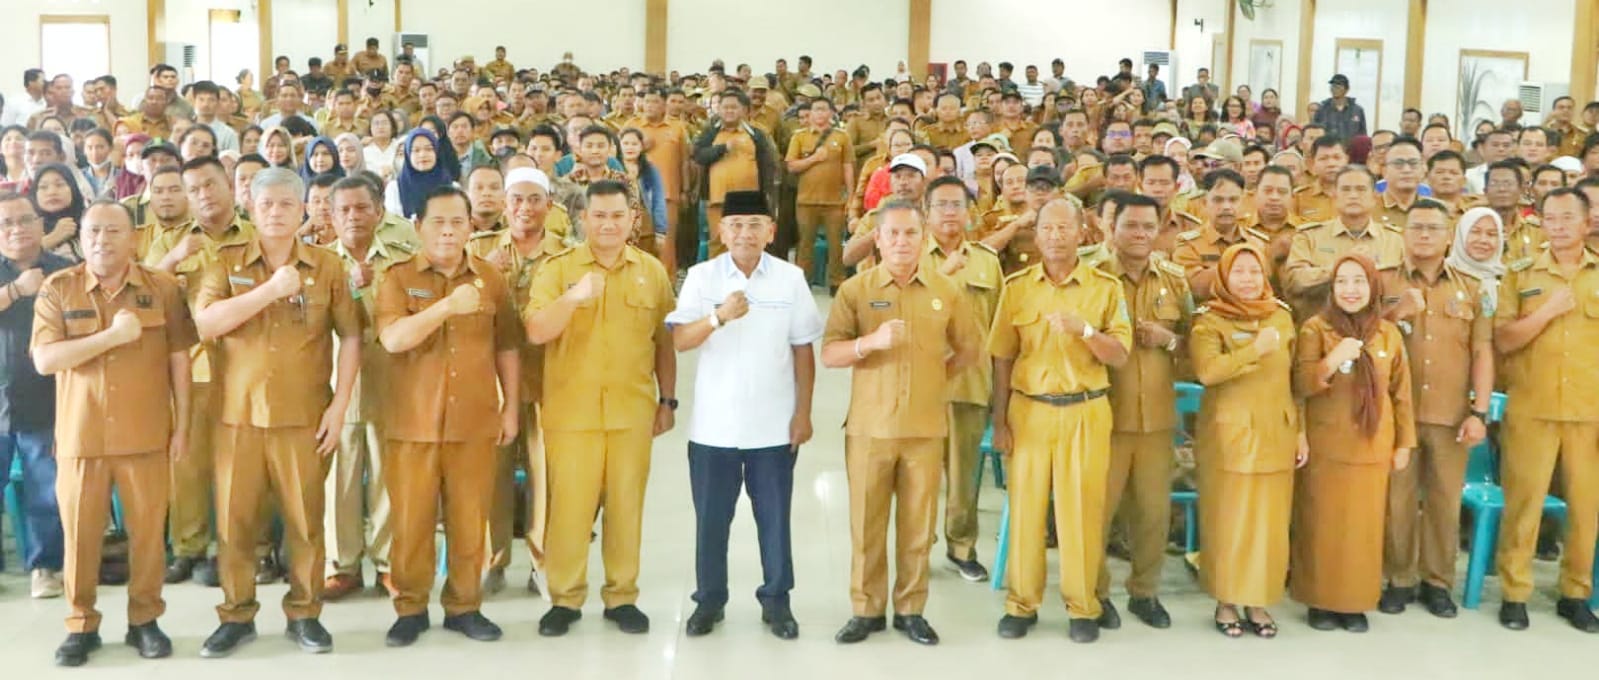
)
(716, 475)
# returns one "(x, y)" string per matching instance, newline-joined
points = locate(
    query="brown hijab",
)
(1362, 326)
(1227, 303)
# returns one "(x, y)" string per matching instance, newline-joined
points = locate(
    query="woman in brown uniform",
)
(1355, 379)
(1250, 440)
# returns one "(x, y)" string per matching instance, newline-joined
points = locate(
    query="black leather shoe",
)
(558, 620)
(780, 620)
(969, 570)
(1513, 615)
(1577, 613)
(181, 569)
(858, 627)
(1150, 611)
(916, 628)
(1394, 599)
(227, 639)
(75, 650)
(1109, 618)
(1437, 601)
(703, 620)
(207, 574)
(1016, 627)
(629, 619)
(309, 635)
(267, 571)
(1321, 619)
(1083, 630)
(1354, 623)
(149, 640)
(473, 625)
(406, 630)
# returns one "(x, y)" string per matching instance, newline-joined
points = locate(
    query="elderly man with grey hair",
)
(271, 306)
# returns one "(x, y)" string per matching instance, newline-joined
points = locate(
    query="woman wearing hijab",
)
(277, 147)
(59, 200)
(351, 159)
(425, 169)
(321, 158)
(448, 154)
(1353, 373)
(1249, 440)
(1177, 149)
(1479, 245)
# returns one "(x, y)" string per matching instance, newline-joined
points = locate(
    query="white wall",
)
(601, 34)
(189, 21)
(1195, 44)
(19, 40)
(372, 20)
(1541, 28)
(1383, 20)
(1089, 38)
(1278, 22)
(302, 29)
(835, 33)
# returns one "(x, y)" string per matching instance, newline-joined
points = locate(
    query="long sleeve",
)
(1399, 393)
(1214, 366)
(1307, 361)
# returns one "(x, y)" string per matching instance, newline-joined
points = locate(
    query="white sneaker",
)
(46, 584)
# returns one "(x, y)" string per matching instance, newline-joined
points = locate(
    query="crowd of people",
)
(365, 301)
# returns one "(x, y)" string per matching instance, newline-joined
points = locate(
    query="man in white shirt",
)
(754, 320)
(19, 108)
(1496, 146)
(289, 105)
(206, 98)
(1032, 90)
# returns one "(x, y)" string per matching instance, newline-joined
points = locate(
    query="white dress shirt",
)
(744, 383)
(20, 108)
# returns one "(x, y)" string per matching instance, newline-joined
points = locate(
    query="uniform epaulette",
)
(1394, 227)
(1189, 216)
(1303, 189)
(235, 244)
(1282, 304)
(1461, 272)
(1520, 265)
(1189, 235)
(1017, 275)
(1257, 233)
(1308, 226)
(1533, 219)
(485, 234)
(1104, 274)
(985, 246)
(1171, 268)
(1201, 309)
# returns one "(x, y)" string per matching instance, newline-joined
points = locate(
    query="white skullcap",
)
(533, 175)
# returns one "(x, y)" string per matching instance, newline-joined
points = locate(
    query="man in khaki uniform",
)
(1199, 250)
(1273, 216)
(168, 210)
(1157, 179)
(867, 129)
(1448, 328)
(447, 319)
(272, 307)
(976, 270)
(1060, 325)
(186, 253)
(824, 161)
(1307, 274)
(356, 523)
(1446, 175)
(1143, 402)
(1524, 236)
(499, 69)
(731, 153)
(906, 330)
(1328, 158)
(610, 386)
(1013, 124)
(114, 424)
(370, 59)
(949, 132)
(1403, 172)
(667, 142)
(1546, 323)
(518, 252)
(152, 117)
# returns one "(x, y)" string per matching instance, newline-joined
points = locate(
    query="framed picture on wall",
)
(1265, 65)
(1487, 79)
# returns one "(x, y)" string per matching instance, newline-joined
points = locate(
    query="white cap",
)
(908, 160)
(1567, 164)
(533, 175)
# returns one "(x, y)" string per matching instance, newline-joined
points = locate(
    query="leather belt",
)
(1068, 399)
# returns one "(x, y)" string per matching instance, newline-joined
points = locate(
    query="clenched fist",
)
(734, 307)
(285, 282)
(125, 327)
(463, 300)
(591, 286)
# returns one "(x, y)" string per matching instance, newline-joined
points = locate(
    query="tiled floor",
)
(1413, 645)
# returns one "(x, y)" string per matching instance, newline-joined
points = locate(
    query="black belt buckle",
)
(1068, 399)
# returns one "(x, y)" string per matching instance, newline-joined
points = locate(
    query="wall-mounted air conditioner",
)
(1537, 98)
(182, 57)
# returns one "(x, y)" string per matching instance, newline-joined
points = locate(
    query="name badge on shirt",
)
(1241, 335)
(1531, 292)
(78, 314)
(241, 280)
(1326, 250)
(1390, 299)
(881, 304)
(420, 293)
(144, 301)
(1211, 257)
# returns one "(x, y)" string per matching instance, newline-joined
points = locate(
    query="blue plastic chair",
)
(13, 507)
(1485, 499)
(986, 455)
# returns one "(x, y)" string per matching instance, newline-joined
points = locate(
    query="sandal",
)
(1234, 628)
(1262, 629)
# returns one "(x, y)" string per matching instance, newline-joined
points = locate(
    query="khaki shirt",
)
(160, 128)
(450, 391)
(1020, 132)
(1524, 240)
(903, 392)
(823, 183)
(366, 400)
(1307, 275)
(667, 143)
(1329, 409)
(1392, 213)
(500, 68)
(1176, 223)
(1249, 418)
(518, 273)
(736, 170)
(189, 271)
(1556, 371)
(120, 402)
(600, 372)
(981, 280)
(1142, 393)
(1199, 251)
(335, 127)
(1047, 362)
(946, 137)
(1441, 339)
(365, 63)
(1461, 204)
(1314, 205)
(276, 368)
(864, 131)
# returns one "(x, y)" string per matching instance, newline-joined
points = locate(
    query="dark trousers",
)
(38, 502)
(768, 476)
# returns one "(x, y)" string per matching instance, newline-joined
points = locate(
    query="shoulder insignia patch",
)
(1188, 235)
(1521, 264)
(1171, 268)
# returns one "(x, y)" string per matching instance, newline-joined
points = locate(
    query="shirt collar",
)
(135, 278)
(882, 278)
(1546, 260)
(379, 250)
(301, 252)
(730, 270)
(1340, 228)
(585, 254)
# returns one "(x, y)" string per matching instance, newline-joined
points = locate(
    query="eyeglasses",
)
(1425, 228)
(19, 223)
(948, 205)
(1118, 134)
(1406, 163)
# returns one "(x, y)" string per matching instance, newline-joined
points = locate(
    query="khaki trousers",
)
(1423, 533)
(1533, 448)
(357, 521)
(252, 465)
(1064, 451)
(831, 219)
(590, 471)
(421, 476)
(903, 473)
(189, 511)
(966, 425)
(526, 453)
(83, 486)
(1140, 485)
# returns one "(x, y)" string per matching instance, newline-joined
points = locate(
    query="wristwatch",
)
(1480, 415)
(1088, 331)
(669, 403)
(1172, 346)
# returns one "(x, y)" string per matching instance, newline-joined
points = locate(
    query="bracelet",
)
(858, 354)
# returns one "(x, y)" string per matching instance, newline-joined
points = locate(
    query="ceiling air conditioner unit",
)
(1537, 98)
(181, 56)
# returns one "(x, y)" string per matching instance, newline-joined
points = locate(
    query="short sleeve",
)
(508, 334)
(805, 320)
(690, 306)
(49, 325)
(1116, 322)
(545, 289)
(213, 286)
(1003, 340)
(843, 323)
(1509, 307)
(346, 311)
(181, 333)
(391, 301)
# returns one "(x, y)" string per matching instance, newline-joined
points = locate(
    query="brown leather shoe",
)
(340, 586)
(386, 584)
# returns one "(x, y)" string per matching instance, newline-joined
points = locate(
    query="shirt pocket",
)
(81, 322)
(643, 310)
